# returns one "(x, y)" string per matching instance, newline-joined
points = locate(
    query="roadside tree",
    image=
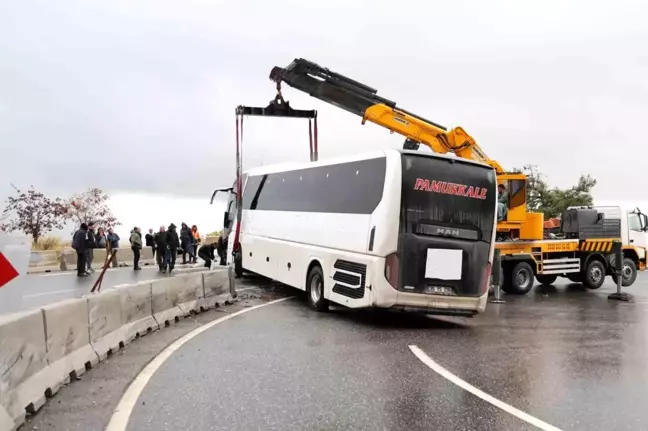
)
(32, 213)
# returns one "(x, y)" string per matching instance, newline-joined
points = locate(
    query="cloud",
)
(139, 97)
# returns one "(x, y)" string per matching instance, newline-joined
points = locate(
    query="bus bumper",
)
(388, 297)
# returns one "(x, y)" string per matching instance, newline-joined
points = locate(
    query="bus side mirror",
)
(225, 220)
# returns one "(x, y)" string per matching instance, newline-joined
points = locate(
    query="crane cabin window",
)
(443, 197)
(350, 188)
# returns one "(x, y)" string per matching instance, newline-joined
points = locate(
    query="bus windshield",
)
(447, 197)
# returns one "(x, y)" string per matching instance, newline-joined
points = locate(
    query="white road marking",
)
(247, 288)
(97, 271)
(55, 292)
(423, 357)
(121, 415)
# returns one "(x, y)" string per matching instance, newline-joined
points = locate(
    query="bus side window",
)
(517, 193)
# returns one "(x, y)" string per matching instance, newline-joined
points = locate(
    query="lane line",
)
(55, 292)
(121, 415)
(423, 357)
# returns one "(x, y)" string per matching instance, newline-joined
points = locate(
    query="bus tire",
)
(629, 273)
(594, 274)
(315, 289)
(519, 281)
(546, 279)
(238, 263)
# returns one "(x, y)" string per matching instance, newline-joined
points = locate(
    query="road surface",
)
(563, 358)
(35, 290)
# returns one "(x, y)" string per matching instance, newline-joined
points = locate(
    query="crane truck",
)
(583, 251)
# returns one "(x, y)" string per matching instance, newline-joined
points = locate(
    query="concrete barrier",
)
(137, 310)
(24, 372)
(68, 339)
(189, 292)
(106, 323)
(216, 288)
(164, 297)
(6, 423)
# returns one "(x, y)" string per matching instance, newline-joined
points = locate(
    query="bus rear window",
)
(450, 198)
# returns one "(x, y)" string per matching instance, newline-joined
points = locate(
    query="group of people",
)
(165, 245)
(85, 240)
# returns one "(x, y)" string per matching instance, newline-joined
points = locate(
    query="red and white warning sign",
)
(15, 252)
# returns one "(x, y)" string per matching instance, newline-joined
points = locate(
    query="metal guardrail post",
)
(618, 271)
(496, 278)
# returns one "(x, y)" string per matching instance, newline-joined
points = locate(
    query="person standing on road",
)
(161, 245)
(136, 246)
(112, 244)
(80, 245)
(196, 240)
(92, 244)
(186, 242)
(101, 238)
(172, 246)
(150, 241)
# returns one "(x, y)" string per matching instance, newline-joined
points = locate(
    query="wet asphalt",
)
(565, 355)
(36, 290)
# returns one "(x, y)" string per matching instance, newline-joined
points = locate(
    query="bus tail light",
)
(391, 269)
(486, 279)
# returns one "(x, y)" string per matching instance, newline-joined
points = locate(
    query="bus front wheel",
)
(315, 289)
(238, 263)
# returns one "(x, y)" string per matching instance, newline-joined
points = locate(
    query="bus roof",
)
(291, 166)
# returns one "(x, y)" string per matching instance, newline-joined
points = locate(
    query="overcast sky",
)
(139, 96)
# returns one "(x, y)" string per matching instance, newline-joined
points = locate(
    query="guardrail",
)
(42, 350)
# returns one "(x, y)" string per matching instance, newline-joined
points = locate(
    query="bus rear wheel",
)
(315, 289)
(519, 279)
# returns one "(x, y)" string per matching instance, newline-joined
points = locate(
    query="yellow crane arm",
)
(363, 101)
(455, 140)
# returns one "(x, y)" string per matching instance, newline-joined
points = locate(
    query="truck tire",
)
(518, 281)
(546, 279)
(629, 273)
(315, 289)
(594, 274)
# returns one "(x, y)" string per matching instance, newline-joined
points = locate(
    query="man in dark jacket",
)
(186, 240)
(80, 245)
(92, 244)
(150, 241)
(160, 240)
(206, 253)
(172, 246)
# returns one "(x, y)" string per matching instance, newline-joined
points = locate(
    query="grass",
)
(50, 243)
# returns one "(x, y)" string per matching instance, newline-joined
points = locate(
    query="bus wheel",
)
(315, 289)
(546, 279)
(594, 274)
(520, 280)
(238, 263)
(629, 272)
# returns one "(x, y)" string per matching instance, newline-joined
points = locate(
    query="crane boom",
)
(362, 100)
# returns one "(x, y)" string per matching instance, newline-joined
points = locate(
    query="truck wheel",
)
(315, 289)
(546, 279)
(594, 274)
(629, 272)
(519, 281)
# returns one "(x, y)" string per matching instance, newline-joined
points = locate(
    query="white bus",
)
(392, 229)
